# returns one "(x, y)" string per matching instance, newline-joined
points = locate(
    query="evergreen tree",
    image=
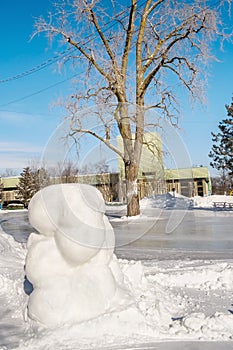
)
(222, 150)
(30, 182)
(25, 186)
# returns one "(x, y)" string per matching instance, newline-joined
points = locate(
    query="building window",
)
(186, 188)
(200, 190)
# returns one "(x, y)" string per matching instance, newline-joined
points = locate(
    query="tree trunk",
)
(131, 172)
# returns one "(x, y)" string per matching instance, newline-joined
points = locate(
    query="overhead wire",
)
(37, 68)
(38, 92)
(55, 58)
(64, 54)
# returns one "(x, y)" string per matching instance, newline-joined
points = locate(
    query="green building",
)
(152, 180)
(8, 187)
(189, 181)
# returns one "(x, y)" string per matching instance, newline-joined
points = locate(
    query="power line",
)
(38, 67)
(55, 59)
(38, 92)
(47, 115)
(58, 56)
(66, 52)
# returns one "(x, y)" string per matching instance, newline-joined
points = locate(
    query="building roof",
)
(187, 173)
(9, 182)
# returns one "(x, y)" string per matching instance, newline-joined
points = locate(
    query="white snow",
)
(163, 303)
(208, 202)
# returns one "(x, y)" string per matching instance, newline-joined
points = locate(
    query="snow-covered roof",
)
(10, 182)
(187, 173)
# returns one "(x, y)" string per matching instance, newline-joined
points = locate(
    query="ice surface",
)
(70, 262)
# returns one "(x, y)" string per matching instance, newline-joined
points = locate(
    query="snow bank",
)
(167, 200)
(208, 201)
(13, 300)
(140, 302)
(70, 264)
(208, 277)
(169, 300)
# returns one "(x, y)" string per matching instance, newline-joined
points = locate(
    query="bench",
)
(229, 205)
(223, 204)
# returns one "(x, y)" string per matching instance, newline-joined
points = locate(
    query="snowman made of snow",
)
(70, 261)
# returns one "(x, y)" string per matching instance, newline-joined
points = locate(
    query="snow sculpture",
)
(70, 263)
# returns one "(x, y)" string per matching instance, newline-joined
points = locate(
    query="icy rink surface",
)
(182, 293)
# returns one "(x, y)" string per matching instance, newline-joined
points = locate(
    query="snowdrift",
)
(170, 300)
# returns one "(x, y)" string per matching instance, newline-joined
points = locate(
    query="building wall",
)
(8, 189)
(113, 188)
(189, 181)
(151, 163)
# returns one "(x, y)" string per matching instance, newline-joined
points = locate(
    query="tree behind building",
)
(222, 150)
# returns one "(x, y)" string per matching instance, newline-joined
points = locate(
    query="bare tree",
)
(222, 184)
(69, 172)
(9, 172)
(99, 167)
(137, 52)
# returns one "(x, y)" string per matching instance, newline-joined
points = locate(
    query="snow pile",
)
(92, 300)
(167, 201)
(169, 295)
(71, 263)
(13, 300)
(208, 201)
(210, 277)
(172, 300)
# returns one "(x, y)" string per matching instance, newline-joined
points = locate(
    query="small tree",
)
(30, 182)
(9, 172)
(221, 184)
(40, 179)
(25, 187)
(99, 167)
(69, 172)
(222, 149)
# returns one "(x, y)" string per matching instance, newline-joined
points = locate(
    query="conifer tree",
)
(222, 150)
(25, 186)
(30, 182)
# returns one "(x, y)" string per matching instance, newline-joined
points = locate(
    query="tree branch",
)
(163, 62)
(100, 138)
(101, 34)
(139, 67)
(176, 33)
(129, 36)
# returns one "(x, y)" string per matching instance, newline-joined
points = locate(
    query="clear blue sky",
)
(26, 117)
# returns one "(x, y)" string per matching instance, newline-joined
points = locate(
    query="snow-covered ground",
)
(177, 303)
